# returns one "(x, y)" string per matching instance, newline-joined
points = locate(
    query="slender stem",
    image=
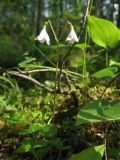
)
(68, 81)
(90, 6)
(57, 75)
(55, 36)
(51, 69)
(105, 140)
(107, 58)
(108, 85)
(60, 75)
(88, 9)
(81, 29)
(51, 157)
(84, 62)
(43, 54)
(59, 155)
(84, 55)
(106, 149)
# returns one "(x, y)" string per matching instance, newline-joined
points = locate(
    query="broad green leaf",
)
(114, 63)
(103, 32)
(99, 110)
(92, 153)
(24, 148)
(106, 73)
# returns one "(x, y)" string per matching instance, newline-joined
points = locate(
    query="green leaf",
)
(14, 119)
(92, 153)
(8, 80)
(26, 61)
(30, 130)
(49, 130)
(24, 148)
(99, 110)
(42, 144)
(82, 46)
(114, 63)
(106, 73)
(103, 32)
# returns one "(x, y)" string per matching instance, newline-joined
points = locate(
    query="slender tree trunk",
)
(60, 16)
(97, 4)
(111, 12)
(118, 18)
(38, 18)
(38, 15)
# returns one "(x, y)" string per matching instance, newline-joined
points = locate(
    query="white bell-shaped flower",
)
(72, 37)
(43, 36)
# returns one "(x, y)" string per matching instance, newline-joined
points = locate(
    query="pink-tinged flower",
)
(43, 36)
(72, 37)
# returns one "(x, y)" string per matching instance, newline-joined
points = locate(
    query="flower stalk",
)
(56, 39)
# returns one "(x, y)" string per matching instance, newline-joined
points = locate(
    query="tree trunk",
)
(38, 15)
(118, 17)
(38, 18)
(60, 17)
(97, 4)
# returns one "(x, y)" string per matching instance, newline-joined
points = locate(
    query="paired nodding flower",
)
(72, 37)
(44, 37)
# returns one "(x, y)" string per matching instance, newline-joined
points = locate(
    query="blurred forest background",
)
(37, 124)
(21, 21)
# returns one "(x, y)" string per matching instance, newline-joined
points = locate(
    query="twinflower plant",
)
(43, 37)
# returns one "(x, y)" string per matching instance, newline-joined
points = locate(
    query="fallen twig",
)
(27, 77)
